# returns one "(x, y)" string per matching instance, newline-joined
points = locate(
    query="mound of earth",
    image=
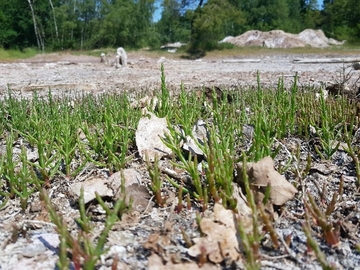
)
(281, 39)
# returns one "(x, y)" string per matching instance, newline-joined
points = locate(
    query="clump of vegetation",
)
(70, 133)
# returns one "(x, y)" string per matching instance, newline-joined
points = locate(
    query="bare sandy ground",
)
(64, 73)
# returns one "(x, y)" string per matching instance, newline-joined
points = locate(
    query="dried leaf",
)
(131, 176)
(200, 135)
(91, 185)
(148, 137)
(156, 242)
(144, 102)
(263, 173)
(244, 211)
(140, 196)
(133, 188)
(324, 168)
(221, 240)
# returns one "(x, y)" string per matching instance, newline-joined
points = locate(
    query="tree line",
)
(89, 24)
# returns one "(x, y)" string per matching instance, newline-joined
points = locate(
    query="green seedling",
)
(164, 107)
(109, 142)
(89, 109)
(27, 182)
(307, 114)
(66, 240)
(67, 139)
(83, 220)
(85, 254)
(219, 172)
(250, 241)
(285, 106)
(327, 132)
(109, 130)
(156, 182)
(188, 112)
(308, 166)
(15, 112)
(21, 182)
(264, 132)
(43, 139)
(121, 205)
(353, 152)
(9, 166)
(3, 193)
(190, 165)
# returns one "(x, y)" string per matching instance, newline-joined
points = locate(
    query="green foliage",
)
(340, 19)
(214, 21)
(328, 131)
(16, 27)
(15, 54)
(84, 252)
(164, 106)
(172, 26)
(108, 140)
(250, 241)
(156, 182)
(52, 127)
(92, 24)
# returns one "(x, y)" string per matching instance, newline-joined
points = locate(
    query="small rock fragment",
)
(33, 250)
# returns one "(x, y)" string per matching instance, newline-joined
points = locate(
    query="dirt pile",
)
(281, 39)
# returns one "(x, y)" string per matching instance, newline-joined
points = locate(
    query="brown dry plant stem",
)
(188, 202)
(268, 225)
(186, 238)
(331, 235)
(180, 201)
(312, 244)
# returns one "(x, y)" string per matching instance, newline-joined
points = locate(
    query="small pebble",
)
(33, 250)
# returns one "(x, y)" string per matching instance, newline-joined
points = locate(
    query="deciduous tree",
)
(217, 19)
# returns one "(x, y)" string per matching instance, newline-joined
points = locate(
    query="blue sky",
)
(157, 13)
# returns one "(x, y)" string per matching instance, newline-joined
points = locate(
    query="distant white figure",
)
(117, 61)
(102, 58)
(121, 57)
